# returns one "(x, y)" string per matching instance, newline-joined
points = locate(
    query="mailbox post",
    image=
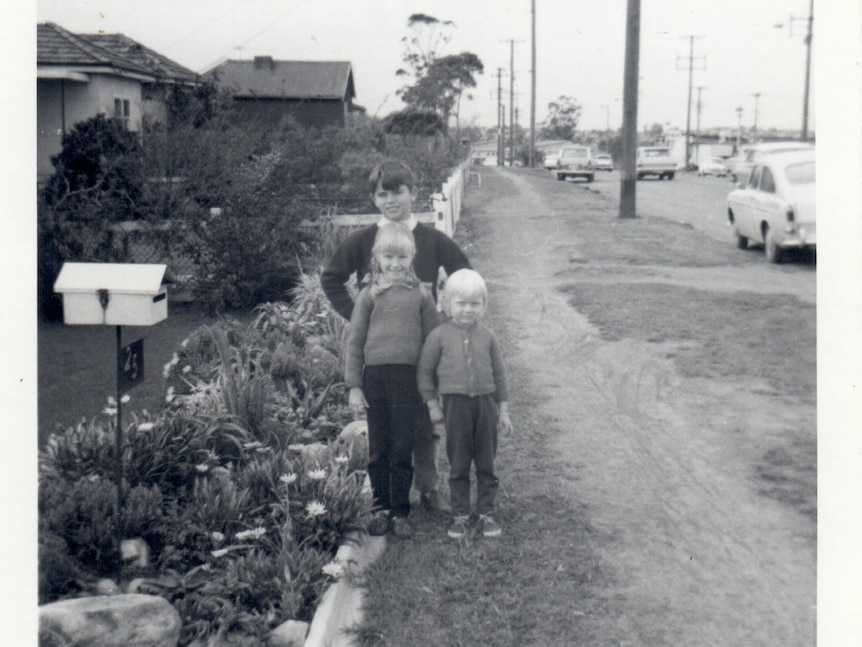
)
(118, 294)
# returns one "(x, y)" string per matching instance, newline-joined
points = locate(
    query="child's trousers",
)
(471, 437)
(393, 400)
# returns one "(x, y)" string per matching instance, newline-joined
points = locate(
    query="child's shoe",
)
(401, 527)
(458, 527)
(379, 523)
(488, 527)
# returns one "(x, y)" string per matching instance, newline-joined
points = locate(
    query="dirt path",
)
(663, 463)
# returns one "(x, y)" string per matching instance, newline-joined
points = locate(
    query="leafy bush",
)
(235, 485)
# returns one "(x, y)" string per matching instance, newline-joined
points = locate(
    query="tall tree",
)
(562, 121)
(442, 85)
(428, 36)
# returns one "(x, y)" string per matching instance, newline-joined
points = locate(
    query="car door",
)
(744, 207)
(767, 205)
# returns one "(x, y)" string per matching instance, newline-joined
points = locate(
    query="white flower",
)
(126, 399)
(341, 460)
(254, 533)
(221, 552)
(317, 475)
(169, 396)
(315, 508)
(333, 569)
(185, 343)
(202, 468)
(146, 426)
(187, 368)
(111, 401)
(287, 479)
(217, 537)
(111, 411)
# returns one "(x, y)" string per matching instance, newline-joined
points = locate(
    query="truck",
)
(654, 160)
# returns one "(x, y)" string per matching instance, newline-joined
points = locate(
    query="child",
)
(461, 368)
(392, 317)
(393, 190)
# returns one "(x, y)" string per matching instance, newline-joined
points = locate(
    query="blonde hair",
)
(464, 283)
(392, 237)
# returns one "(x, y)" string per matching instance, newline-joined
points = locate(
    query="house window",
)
(121, 113)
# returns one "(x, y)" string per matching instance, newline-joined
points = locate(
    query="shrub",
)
(234, 485)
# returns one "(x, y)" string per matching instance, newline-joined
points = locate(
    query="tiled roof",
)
(265, 78)
(134, 51)
(58, 46)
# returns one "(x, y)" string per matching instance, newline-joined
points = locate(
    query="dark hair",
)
(391, 175)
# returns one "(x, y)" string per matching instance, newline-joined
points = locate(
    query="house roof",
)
(264, 77)
(58, 47)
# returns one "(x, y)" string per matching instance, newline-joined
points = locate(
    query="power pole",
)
(808, 36)
(738, 127)
(533, 87)
(628, 183)
(499, 116)
(690, 68)
(697, 131)
(511, 101)
(756, 96)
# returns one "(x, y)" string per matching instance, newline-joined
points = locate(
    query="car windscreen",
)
(575, 152)
(656, 153)
(800, 173)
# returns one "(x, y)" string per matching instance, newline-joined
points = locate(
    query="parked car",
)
(575, 161)
(604, 162)
(712, 166)
(740, 165)
(654, 160)
(550, 160)
(777, 205)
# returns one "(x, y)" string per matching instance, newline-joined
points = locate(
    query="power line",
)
(690, 67)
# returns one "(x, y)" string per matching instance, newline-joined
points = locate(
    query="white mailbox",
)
(115, 294)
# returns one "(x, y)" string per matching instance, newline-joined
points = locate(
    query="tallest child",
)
(393, 190)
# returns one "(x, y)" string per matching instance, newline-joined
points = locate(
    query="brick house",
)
(316, 93)
(79, 76)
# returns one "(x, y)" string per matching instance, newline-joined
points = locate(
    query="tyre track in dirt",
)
(663, 463)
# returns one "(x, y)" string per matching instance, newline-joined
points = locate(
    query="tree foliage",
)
(442, 86)
(562, 121)
(428, 36)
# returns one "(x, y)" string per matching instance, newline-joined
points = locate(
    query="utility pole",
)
(511, 101)
(499, 116)
(690, 68)
(533, 86)
(756, 96)
(738, 127)
(697, 131)
(808, 36)
(628, 183)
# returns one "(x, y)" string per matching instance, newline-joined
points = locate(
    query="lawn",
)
(77, 366)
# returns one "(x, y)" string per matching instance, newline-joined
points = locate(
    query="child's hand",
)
(504, 424)
(356, 403)
(435, 412)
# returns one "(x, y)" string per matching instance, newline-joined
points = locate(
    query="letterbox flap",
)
(119, 278)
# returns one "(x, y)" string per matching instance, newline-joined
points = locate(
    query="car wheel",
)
(741, 241)
(560, 177)
(640, 176)
(774, 253)
(590, 178)
(670, 176)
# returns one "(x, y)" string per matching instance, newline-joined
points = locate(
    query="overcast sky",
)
(741, 48)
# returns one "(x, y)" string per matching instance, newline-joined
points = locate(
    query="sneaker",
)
(401, 527)
(488, 527)
(433, 501)
(379, 523)
(458, 527)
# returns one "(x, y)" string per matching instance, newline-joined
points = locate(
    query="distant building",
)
(316, 93)
(79, 76)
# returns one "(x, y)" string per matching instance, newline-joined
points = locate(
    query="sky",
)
(740, 48)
